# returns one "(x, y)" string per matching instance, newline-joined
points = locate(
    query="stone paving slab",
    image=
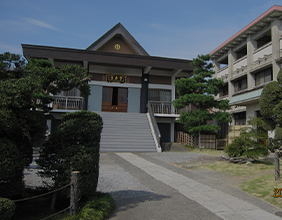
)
(139, 196)
(223, 205)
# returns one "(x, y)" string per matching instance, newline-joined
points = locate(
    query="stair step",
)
(126, 132)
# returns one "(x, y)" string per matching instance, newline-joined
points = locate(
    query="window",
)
(240, 118)
(224, 90)
(240, 84)
(241, 53)
(163, 95)
(263, 76)
(223, 63)
(258, 115)
(264, 39)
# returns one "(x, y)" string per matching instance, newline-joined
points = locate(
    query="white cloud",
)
(25, 24)
(40, 23)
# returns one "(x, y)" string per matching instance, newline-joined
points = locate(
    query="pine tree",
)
(200, 91)
(271, 109)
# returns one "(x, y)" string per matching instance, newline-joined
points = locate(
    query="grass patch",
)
(98, 208)
(257, 179)
(263, 187)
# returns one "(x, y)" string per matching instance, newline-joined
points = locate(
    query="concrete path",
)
(146, 186)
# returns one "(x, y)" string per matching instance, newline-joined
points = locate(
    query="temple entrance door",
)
(114, 99)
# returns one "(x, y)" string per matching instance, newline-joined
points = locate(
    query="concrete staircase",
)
(126, 132)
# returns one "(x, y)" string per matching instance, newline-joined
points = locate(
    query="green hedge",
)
(7, 209)
(11, 172)
(74, 147)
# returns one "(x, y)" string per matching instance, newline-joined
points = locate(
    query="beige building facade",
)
(246, 62)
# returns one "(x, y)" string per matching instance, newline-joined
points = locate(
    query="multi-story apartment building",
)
(247, 61)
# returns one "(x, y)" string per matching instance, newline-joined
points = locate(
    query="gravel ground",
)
(112, 176)
(32, 178)
(111, 180)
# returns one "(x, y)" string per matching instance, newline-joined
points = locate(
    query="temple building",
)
(131, 90)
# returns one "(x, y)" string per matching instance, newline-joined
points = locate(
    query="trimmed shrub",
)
(11, 172)
(251, 141)
(7, 209)
(246, 147)
(74, 147)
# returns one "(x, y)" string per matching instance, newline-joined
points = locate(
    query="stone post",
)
(74, 192)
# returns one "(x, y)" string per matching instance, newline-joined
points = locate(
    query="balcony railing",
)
(156, 130)
(67, 103)
(166, 108)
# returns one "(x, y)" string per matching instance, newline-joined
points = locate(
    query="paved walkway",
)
(146, 186)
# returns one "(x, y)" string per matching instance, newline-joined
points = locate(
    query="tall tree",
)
(200, 90)
(25, 92)
(271, 109)
(271, 102)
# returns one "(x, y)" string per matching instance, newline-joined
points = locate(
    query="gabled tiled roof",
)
(118, 29)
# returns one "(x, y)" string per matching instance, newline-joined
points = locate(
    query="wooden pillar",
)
(144, 92)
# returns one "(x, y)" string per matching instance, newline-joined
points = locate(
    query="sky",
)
(166, 28)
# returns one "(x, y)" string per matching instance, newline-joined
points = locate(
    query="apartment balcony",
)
(166, 109)
(66, 103)
(262, 55)
(223, 73)
(240, 66)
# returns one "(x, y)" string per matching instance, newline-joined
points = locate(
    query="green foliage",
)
(9, 60)
(276, 142)
(54, 80)
(271, 110)
(7, 209)
(251, 141)
(74, 147)
(199, 90)
(11, 171)
(98, 208)
(270, 103)
(18, 123)
(24, 94)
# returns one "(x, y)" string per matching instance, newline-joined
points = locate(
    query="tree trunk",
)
(277, 167)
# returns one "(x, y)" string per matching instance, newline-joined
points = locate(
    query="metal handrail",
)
(68, 102)
(154, 124)
(160, 107)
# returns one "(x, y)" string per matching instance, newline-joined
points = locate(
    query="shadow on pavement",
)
(129, 199)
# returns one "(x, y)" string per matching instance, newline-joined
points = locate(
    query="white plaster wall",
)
(251, 110)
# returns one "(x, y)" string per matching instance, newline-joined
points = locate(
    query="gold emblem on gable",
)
(117, 47)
